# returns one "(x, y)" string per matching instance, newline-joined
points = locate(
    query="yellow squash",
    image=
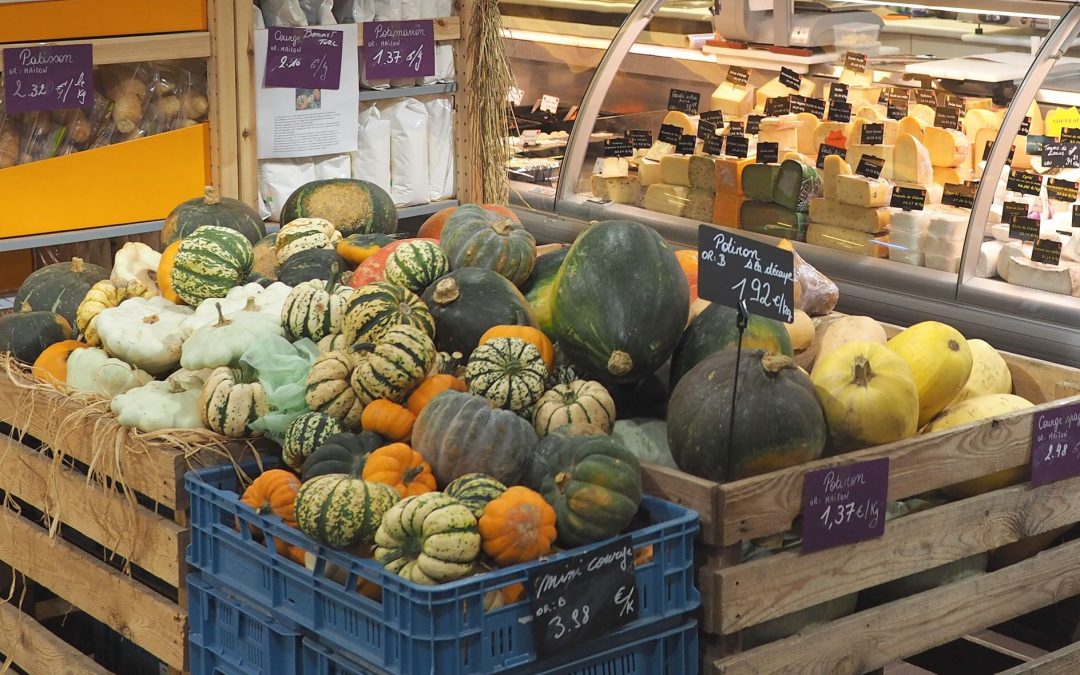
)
(989, 373)
(940, 363)
(850, 329)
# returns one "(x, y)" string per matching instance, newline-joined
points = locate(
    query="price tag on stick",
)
(733, 268)
(304, 58)
(50, 77)
(399, 49)
(844, 504)
(1055, 444)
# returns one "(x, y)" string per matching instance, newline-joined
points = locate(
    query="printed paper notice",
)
(303, 121)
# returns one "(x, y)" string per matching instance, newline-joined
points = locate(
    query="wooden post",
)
(467, 164)
(246, 125)
(221, 91)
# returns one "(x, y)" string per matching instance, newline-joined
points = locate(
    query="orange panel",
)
(62, 19)
(124, 183)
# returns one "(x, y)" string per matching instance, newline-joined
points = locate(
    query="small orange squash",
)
(274, 492)
(517, 526)
(432, 387)
(400, 467)
(164, 276)
(533, 336)
(51, 365)
(390, 420)
(688, 261)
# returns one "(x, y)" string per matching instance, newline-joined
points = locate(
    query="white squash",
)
(93, 371)
(135, 261)
(268, 301)
(850, 329)
(224, 342)
(144, 333)
(989, 373)
(160, 405)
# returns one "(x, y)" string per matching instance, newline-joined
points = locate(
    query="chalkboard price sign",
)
(705, 129)
(777, 105)
(1036, 143)
(618, 147)
(736, 129)
(838, 93)
(733, 268)
(908, 198)
(947, 117)
(583, 597)
(790, 79)
(961, 196)
(844, 504)
(684, 101)
(1024, 228)
(839, 111)
(870, 166)
(855, 62)
(1024, 182)
(926, 97)
(1070, 135)
(738, 146)
(48, 77)
(1060, 155)
(1055, 444)
(640, 138)
(1010, 211)
(1046, 251)
(873, 134)
(714, 116)
(768, 153)
(738, 76)
(824, 150)
(753, 124)
(1062, 190)
(686, 145)
(1025, 127)
(714, 145)
(670, 133)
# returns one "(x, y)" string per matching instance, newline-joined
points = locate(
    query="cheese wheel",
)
(889, 130)
(947, 147)
(911, 161)
(977, 119)
(681, 119)
(923, 113)
(824, 129)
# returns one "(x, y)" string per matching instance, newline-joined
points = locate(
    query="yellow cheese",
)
(1037, 126)
(979, 119)
(1061, 118)
(923, 113)
(933, 190)
(729, 174)
(853, 79)
(700, 205)
(733, 100)
(855, 152)
(871, 111)
(863, 191)
(859, 218)
(775, 89)
(702, 172)
(649, 172)
(952, 174)
(681, 119)
(1021, 158)
(669, 199)
(911, 126)
(781, 131)
(985, 103)
(624, 190)
(659, 149)
(822, 131)
(806, 124)
(846, 239)
(835, 166)
(798, 157)
(675, 170)
(889, 130)
(911, 161)
(858, 96)
(726, 209)
(598, 186)
(615, 167)
(983, 137)
(947, 147)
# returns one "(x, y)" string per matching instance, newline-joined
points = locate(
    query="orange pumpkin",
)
(433, 226)
(390, 420)
(400, 467)
(533, 336)
(432, 387)
(51, 365)
(688, 261)
(274, 492)
(164, 272)
(517, 526)
(295, 554)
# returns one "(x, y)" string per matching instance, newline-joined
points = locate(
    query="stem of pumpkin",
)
(411, 474)
(211, 196)
(502, 226)
(77, 265)
(222, 321)
(773, 363)
(561, 479)
(446, 291)
(620, 363)
(863, 373)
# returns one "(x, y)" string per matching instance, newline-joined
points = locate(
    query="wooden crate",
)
(132, 509)
(737, 595)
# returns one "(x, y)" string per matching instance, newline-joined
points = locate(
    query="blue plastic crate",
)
(413, 628)
(227, 635)
(653, 652)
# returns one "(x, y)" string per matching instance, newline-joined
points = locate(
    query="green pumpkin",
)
(715, 329)
(647, 439)
(344, 453)
(594, 487)
(317, 263)
(379, 306)
(210, 262)
(392, 367)
(543, 460)
(26, 334)
(621, 301)
(212, 209)
(469, 301)
(475, 490)
(306, 433)
(416, 265)
(428, 539)
(353, 206)
(509, 372)
(315, 309)
(305, 234)
(778, 417)
(59, 287)
(340, 511)
(539, 288)
(476, 237)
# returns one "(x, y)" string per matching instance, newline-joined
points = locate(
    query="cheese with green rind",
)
(772, 219)
(758, 181)
(863, 191)
(832, 212)
(796, 184)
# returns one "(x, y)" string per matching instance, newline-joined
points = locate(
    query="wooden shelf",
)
(405, 92)
(75, 236)
(193, 45)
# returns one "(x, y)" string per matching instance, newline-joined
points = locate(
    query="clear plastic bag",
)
(282, 369)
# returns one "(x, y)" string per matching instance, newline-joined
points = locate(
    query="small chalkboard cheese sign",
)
(583, 597)
(961, 196)
(1046, 251)
(686, 145)
(1062, 190)
(618, 147)
(790, 79)
(824, 150)
(1035, 143)
(838, 93)
(840, 111)
(1024, 182)
(736, 129)
(989, 146)
(670, 133)
(777, 105)
(738, 76)
(733, 268)
(705, 129)
(753, 124)
(870, 166)
(926, 97)
(1010, 211)
(738, 146)
(1076, 215)
(713, 145)
(844, 504)
(1025, 127)
(908, 198)
(873, 134)
(1024, 228)
(640, 138)
(896, 110)
(816, 106)
(947, 117)
(768, 153)
(714, 116)
(684, 101)
(1055, 444)
(956, 102)
(855, 62)
(1070, 135)
(1060, 155)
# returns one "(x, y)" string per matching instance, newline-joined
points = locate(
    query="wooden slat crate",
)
(1065, 661)
(739, 595)
(132, 509)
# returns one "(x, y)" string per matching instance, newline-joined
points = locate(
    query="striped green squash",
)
(507, 371)
(475, 490)
(476, 237)
(305, 234)
(327, 388)
(416, 265)
(381, 305)
(231, 399)
(315, 309)
(392, 367)
(340, 511)
(307, 432)
(578, 401)
(428, 539)
(210, 263)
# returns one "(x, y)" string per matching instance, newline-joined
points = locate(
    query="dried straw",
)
(490, 82)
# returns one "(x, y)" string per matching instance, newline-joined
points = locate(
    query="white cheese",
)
(946, 248)
(1063, 279)
(909, 221)
(905, 256)
(986, 268)
(943, 263)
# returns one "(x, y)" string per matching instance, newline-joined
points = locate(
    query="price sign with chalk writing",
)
(683, 101)
(51, 77)
(1055, 444)
(399, 49)
(733, 268)
(1046, 251)
(844, 504)
(303, 57)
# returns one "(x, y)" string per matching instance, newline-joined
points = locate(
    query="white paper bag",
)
(440, 148)
(371, 161)
(408, 152)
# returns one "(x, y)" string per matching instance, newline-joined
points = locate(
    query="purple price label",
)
(48, 77)
(1055, 444)
(304, 58)
(844, 504)
(399, 49)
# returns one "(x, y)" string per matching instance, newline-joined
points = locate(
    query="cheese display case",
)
(867, 134)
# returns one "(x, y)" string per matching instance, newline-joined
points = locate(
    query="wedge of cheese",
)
(659, 150)
(824, 129)
(952, 174)
(758, 181)
(977, 119)
(847, 239)
(862, 219)
(806, 125)
(669, 199)
(1038, 125)
(775, 89)
(649, 172)
(700, 205)
(834, 167)
(911, 126)
(772, 219)
(796, 184)
(1063, 279)
(615, 167)
(680, 119)
(947, 147)
(923, 113)
(702, 171)
(729, 174)
(675, 170)
(733, 100)
(780, 130)
(889, 130)
(862, 191)
(911, 161)
(726, 209)
(864, 95)
(856, 151)
(854, 79)
(875, 112)
(622, 190)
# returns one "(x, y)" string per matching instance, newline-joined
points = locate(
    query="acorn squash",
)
(469, 301)
(539, 288)
(212, 209)
(342, 453)
(353, 206)
(59, 287)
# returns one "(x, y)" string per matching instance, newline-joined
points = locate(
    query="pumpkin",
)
(845, 329)
(416, 265)
(342, 453)
(467, 302)
(102, 295)
(388, 419)
(428, 539)
(393, 366)
(594, 488)
(517, 526)
(508, 372)
(533, 336)
(209, 263)
(51, 365)
(940, 362)
(316, 263)
(340, 511)
(688, 261)
(716, 330)
(59, 288)
(542, 461)
(378, 307)
(579, 401)
(647, 398)
(273, 492)
(305, 433)
(164, 276)
(868, 396)
(400, 467)
(801, 331)
(778, 418)
(435, 223)
(646, 439)
(327, 388)
(353, 206)
(212, 209)
(621, 301)
(264, 257)
(26, 334)
(356, 248)
(315, 309)
(374, 267)
(431, 387)
(231, 399)
(474, 490)
(539, 288)
(136, 262)
(461, 433)
(332, 343)
(989, 373)
(304, 234)
(475, 237)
